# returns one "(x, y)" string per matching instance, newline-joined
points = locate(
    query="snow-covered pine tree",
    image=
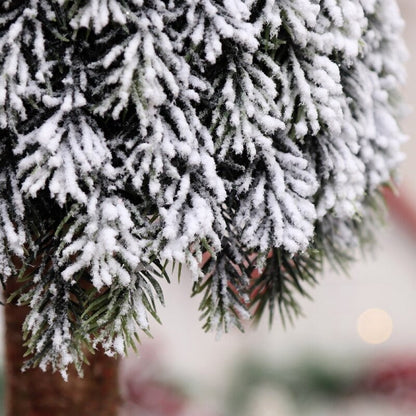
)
(247, 139)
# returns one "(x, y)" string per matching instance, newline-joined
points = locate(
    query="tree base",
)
(36, 393)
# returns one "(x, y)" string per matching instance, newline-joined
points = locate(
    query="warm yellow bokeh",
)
(375, 326)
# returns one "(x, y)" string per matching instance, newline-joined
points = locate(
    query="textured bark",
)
(35, 393)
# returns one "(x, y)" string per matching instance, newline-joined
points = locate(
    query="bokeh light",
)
(374, 326)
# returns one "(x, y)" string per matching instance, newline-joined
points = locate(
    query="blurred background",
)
(353, 352)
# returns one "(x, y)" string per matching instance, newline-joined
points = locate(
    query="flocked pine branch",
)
(246, 139)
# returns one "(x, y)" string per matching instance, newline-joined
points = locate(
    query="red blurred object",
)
(395, 379)
(148, 390)
(144, 392)
(402, 209)
(155, 398)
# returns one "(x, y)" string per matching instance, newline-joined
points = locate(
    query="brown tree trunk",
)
(35, 393)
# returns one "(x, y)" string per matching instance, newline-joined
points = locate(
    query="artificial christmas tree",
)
(141, 132)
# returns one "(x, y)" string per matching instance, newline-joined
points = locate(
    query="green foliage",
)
(281, 281)
(245, 140)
